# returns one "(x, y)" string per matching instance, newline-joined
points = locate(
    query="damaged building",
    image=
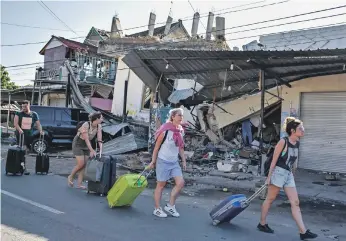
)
(244, 96)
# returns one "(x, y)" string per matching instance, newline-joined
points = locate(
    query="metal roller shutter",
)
(323, 148)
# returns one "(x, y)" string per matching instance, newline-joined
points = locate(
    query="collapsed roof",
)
(230, 74)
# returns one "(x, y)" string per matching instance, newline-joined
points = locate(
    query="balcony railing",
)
(94, 69)
(49, 74)
(86, 68)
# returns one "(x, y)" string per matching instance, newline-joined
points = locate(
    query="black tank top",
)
(288, 158)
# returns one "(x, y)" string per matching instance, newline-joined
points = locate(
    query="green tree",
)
(6, 80)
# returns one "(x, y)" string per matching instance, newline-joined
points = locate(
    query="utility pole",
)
(262, 87)
(8, 110)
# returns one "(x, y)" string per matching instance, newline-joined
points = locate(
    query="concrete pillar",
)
(220, 28)
(116, 30)
(195, 23)
(151, 25)
(168, 25)
(209, 26)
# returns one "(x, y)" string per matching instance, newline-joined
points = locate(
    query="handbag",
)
(94, 169)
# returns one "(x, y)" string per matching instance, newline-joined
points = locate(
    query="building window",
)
(147, 94)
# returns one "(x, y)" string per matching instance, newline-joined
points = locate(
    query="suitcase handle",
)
(21, 140)
(41, 138)
(142, 174)
(96, 150)
(258, 192)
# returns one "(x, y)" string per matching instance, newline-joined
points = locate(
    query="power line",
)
(311, 41)
(194, 12)
(38, 27)
(27, 26)
(239, 26)
(126, 68)
(54, 15)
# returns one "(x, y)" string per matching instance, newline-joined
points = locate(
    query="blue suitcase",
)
(232, 206)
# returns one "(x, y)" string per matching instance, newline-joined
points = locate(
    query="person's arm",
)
(38, 123)
(99, 138)
(156, 148)
(39, 127)
(16, 124)
(278, 149)
(295, 164)
(183, 158)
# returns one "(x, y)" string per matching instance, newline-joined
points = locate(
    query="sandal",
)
(70, 183)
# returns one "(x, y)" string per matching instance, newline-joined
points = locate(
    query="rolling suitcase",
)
(127, 189)
(15, 162)
(108, 177)
(232, 206)
(42, 161)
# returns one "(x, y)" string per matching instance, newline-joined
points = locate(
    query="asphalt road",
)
(44, 208)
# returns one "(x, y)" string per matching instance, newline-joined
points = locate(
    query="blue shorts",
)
(282, 178)
(166, 170)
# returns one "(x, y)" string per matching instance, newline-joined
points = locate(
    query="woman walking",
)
(281, 176)
(81, 146)
(169, 144)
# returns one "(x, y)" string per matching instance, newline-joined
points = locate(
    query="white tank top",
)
(169, 151)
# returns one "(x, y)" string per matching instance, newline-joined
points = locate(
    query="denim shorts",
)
(166, 170)
(282, 178)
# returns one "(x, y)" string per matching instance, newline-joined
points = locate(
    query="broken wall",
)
(134, 94)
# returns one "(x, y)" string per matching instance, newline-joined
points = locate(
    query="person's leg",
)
(27, 146)
(277, 181)
(273, 191)
(80, 164)
(161, 177)
(81, 173)
(179, 184)
(158, 193)
(292, 195)
(176, 173)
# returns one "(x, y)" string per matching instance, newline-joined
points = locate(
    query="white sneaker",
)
(159, 213)
(172, 211)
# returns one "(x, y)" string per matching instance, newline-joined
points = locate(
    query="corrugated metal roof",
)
(178, 95)
(306, 39)
(212, 69)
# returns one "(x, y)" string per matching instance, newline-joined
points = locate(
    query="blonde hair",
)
(174, 112)
(291, 123)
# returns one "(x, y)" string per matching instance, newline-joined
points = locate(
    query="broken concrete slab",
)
(232, 176)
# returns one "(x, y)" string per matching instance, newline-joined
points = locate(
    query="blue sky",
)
(82, 15)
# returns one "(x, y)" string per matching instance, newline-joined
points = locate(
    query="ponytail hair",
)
(290, 124)
(94, 116)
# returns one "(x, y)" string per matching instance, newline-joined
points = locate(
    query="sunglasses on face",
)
(301, 128)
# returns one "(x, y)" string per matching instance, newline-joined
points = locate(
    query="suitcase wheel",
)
(6, 173)
(88, 191)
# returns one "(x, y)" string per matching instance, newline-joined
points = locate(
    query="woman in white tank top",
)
(169, 145)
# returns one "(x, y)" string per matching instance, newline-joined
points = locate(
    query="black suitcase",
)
(108, 177)
(15, 162)
(232, 206)
(42, 161)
